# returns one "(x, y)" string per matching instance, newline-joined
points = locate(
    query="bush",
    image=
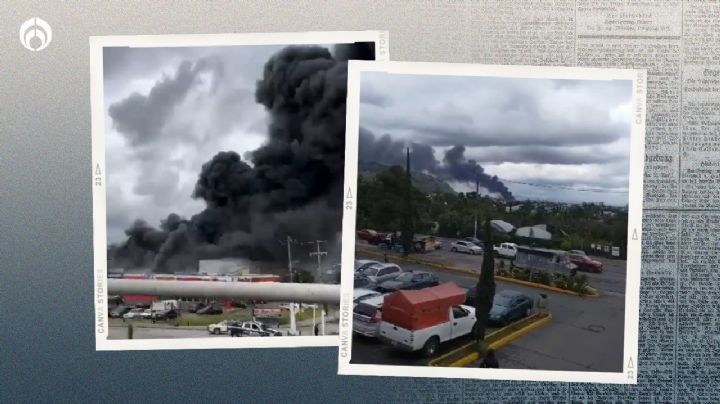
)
(560, 281)
(543, 277)
(579, 284)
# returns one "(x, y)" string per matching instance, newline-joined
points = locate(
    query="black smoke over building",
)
(454, 166)
(290, 186)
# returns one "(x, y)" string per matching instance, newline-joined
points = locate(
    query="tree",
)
(485, 285)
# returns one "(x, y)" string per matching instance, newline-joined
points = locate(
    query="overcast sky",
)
(168, 111)
(555, 133)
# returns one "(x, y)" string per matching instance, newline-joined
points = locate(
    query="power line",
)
(605, 191)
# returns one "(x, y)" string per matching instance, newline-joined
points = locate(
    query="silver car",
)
(380, 272)
(360, 294)
(465, 247)
(362, 264)
(367, 316)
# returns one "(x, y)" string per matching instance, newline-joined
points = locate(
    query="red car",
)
(585, 263)
(372, 236)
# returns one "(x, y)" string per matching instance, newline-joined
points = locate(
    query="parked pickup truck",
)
(420, 320)
(427, 340)
(508, 250)
(221, 327)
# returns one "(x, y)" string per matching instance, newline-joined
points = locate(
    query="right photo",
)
(495, 222)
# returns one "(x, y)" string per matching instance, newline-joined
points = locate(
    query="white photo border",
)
(634, 231)
(100, 296)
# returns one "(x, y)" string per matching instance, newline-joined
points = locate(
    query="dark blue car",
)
(509, 306)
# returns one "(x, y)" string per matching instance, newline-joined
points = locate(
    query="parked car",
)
(367, 316)
(507, 250)
(118, 311)
(362, 264)
(474, 240)
(465, 247)
(585, 263)
(380, 272)
(360, 294)
(577, 252)
(213, 308)
(113, 302)
(169, 314)
(362, 282)
(409, 281)
(137, 313)
(509, 306)
(194, 308)
(372, 236)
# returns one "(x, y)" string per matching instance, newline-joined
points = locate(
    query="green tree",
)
(408, 228)
(485, 286)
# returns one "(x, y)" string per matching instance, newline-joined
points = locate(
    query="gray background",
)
(46, 312)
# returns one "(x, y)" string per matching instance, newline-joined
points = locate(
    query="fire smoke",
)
(292, 185)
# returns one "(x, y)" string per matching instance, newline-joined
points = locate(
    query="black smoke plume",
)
(454, 166)
(291, 186)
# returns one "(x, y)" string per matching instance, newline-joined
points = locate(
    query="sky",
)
(168, 111)
(554, 134)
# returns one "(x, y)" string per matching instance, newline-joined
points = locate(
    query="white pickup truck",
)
(508, 250)
(461, 321)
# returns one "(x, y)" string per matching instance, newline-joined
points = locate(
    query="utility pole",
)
(319, 258)
(477, 193)
(293, 328)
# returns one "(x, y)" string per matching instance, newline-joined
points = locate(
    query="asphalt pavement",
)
(585, 334)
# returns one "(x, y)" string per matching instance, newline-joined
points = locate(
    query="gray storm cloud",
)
(140, 118)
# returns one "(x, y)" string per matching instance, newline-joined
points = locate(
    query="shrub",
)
(580, 284)
(543, 277)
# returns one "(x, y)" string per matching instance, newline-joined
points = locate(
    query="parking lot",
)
(146, 329)
(585, 334)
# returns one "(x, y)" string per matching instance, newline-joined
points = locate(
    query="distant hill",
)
(425, 183)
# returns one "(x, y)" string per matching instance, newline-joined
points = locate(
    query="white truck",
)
(221, 327)
(164, 309)
(428, 340)
(507, 250)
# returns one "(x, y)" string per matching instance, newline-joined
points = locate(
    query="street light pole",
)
(293, 329)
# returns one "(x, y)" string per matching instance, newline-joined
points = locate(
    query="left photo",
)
(218, 165)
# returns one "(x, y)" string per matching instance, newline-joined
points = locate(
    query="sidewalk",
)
(305, 327)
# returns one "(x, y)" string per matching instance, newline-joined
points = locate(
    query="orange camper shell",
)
(419, 309)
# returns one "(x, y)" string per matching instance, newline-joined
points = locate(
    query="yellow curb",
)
(592, 291)
(502, 342)
(435, 361)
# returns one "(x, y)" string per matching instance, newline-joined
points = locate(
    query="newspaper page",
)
(678, 43)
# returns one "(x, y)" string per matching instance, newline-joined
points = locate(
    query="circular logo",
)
(35, 34)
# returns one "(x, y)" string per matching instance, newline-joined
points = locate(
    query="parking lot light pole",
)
(293, 329)
(322, 322)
